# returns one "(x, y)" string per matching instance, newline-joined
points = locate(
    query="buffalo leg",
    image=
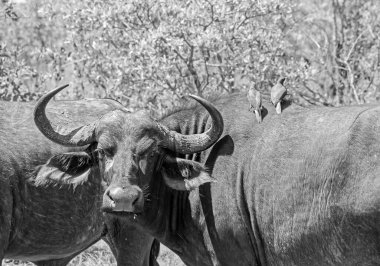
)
(59, 262)
(154, 252)
(6, 205)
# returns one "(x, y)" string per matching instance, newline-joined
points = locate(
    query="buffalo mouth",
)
(108, 209)
(121, 214)
(121, 209)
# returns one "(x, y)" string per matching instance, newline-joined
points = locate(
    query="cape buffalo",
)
(301, 188)
(48, 217)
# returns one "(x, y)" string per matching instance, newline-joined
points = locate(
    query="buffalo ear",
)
(143, 164)
(66, 168)
(182, 174)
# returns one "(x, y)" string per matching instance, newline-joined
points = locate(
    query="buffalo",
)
(301, 188)
(48, 217)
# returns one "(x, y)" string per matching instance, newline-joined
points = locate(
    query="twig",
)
(212, 17)
(190, 65)
(218, 65)
(352, 84)
(207, 73)
(314, 92)
(353, 46)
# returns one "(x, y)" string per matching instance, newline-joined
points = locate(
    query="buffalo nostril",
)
(109, 196)
(116, 194)
(135, 201)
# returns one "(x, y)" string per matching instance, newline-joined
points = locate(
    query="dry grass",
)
(100, 254)
(168, 258)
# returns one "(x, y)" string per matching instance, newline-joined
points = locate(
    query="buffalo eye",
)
(101, 153)
(185, 172)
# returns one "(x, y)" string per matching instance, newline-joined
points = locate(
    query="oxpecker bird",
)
(255, 103)
(278, 93)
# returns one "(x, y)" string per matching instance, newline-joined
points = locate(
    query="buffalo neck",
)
(175, 219)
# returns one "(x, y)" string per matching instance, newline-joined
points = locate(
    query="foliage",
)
(29, 58)
(148, 54)
(338, 41)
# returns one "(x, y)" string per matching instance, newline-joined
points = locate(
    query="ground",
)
(100, 254)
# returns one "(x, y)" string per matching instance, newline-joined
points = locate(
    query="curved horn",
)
(78, 137)
(187, 144)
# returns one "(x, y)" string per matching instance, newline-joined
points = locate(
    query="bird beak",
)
(258, 115)
(278, 108)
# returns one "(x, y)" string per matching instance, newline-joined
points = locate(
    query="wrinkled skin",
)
(50, 221)
(299, 189)
(130, 245)
(108, 154)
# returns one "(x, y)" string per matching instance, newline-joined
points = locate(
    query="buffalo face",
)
(129, 150)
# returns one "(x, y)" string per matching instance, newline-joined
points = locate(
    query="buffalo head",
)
(130, 149)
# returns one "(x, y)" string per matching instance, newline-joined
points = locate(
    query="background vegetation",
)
(148, 54)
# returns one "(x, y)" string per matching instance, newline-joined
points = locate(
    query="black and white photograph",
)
(190, 133)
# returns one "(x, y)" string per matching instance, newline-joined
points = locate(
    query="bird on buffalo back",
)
(255, 102)
(278, 93)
